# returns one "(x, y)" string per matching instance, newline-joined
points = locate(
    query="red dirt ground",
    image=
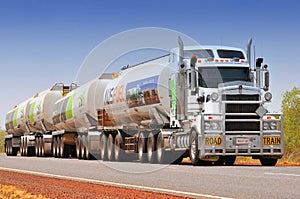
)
(65, 189)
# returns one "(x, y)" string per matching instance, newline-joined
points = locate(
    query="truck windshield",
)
(200, 53)
(211, 77)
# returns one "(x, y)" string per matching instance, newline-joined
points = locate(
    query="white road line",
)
(282, 174)
(121, 185)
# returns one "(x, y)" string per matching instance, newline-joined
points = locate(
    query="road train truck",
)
(203, 102)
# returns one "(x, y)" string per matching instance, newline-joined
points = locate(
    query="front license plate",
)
(271, 140)
(242, 140)
(213, 140)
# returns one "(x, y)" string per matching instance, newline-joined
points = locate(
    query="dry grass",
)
(11, 192)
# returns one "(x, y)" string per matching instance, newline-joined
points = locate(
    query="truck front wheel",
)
(194, 152)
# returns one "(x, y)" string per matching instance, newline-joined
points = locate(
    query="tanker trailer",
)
(137, 106)
(16, 126)
(75, 120)
(39, 119)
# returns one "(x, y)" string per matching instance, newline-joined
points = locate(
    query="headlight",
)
(214, 126)
(266, 126)
(270, 125)
(207, 125)
(273, 125)
(268, 96)
(214, 96)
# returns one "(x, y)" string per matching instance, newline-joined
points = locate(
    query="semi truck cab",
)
(220, 101)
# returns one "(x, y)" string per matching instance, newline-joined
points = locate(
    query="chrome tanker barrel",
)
(40, 109)
(140, 96)
(77, 112)
(16, 120)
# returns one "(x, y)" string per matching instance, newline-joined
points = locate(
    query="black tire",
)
(142, 148)
(6, 147)
(268, 161)
(194, 152)
(15, 151)
(78, 147)
(110, 148)
(103, 147)
(151, 149)
(160, 150)
(119, 152)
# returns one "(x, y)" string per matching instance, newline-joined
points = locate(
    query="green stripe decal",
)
(31, 112)
(15, 117)
(69, 112)
(173, 97)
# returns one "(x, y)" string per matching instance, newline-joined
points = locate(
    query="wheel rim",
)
(78, 147)
(37, 147)
(62, 146)
(25, 147)
(117, 148)
(42, 149)
(110, 148)
(193, 149)
(58, 147)
(54, 147)
(82, 147)
(103, 147)
(159, 149)
(150, 148)
(86, 147)
(141, 146)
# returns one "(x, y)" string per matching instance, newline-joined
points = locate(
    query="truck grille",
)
(248, 109)
(240, 97)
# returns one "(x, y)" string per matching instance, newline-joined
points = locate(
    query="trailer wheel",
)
(54, 147)
(21, 147)
(37, 146)
(7, 147)
(87, 155)
(151, 149)
(160, 150)
(119, 152)
(25, 147)
(62, 148)
(82, 147)
(194, 152)
(110, 148)
(78, 147)
(142, 148)
(42, 147)
(268, 161)
(103, 147)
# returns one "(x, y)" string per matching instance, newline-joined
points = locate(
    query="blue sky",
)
(43, 42)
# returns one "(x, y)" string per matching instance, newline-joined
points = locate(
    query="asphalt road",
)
(201, 181)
